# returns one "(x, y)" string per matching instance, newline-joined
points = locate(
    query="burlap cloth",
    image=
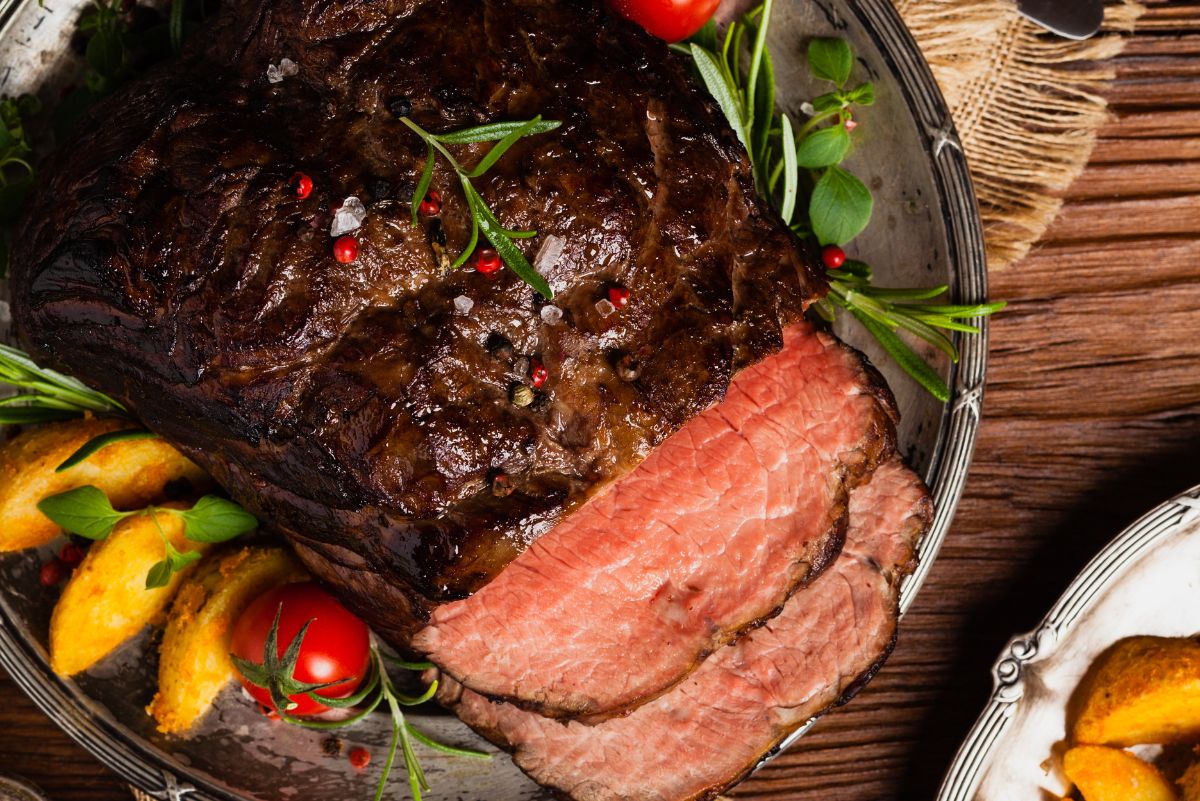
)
(1026, 104)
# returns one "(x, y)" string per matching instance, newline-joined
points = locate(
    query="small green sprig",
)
(45, 395)
(86, 512)
(790, 163)
(505, 135)
(277, 675)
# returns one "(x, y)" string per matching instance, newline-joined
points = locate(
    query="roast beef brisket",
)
(364, 409)
(705, 538)
(704, 735)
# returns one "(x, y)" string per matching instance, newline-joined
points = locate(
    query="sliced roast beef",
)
(707, 537)
(709, 731)
(366, 410)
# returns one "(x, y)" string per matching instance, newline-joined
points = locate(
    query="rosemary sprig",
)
(799, 168)
(45, 395)
(275, 674)
(505, 135)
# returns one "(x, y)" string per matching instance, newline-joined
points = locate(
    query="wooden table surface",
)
(1092, 416)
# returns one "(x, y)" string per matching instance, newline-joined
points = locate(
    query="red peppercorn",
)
(432, 204)
(488, 261)
(301, 185)
(345, 249)
(537, 374)
(360, 757)
(53, 572)
(71, 554)
(618, 296)
(833, 256)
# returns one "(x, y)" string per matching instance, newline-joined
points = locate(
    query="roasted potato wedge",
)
(194, 662)
(1189, 783)
(1147, 690)
(1110, 774)
(106, 601)
(132, 473)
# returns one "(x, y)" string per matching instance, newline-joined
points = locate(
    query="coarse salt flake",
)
(605, 308)
(349, 217)
(464, 304)
(284, 69)
(551, 315)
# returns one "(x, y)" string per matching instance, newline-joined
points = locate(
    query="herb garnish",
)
(277, 675)
(86, 512)
(789, 163)
(505, 135)
(46, 395)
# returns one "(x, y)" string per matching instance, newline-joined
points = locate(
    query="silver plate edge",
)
(946, 475)
(1008, 673)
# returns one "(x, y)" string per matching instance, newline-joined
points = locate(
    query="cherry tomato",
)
(671, 20)
(336, 646)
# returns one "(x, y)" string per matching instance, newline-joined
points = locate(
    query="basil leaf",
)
(179, 561)
(215, 519)
(863, 94)
(159, 575)
(829, 103)
(84, 511)
(830, 60)
(719, 87)
(823, 147)
(496, 131)
(99, 443)
(840, 207)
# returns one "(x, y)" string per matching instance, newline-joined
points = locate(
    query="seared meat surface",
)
(355, 407)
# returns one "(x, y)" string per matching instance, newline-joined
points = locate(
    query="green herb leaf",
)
(502, 147)
(105, 53)
(99, 443)
(32, 415)
(791, 177)
(831, 60)
(175, 23)
(159, 575)
(174, 562)
(497, 131)
(823, 147)
(829, 103)
(423, 184)
(215, 519)
(84, 511)
(863, 94)
(840, 207)
(722, 91)
(509, 253)
(904, 356)
(50, 389)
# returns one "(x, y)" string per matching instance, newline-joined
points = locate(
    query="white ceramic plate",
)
(1146, 581)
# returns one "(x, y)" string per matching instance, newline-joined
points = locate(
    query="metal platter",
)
(1144, 582)
(926, 231)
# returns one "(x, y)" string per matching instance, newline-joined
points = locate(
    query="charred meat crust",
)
(163, 261)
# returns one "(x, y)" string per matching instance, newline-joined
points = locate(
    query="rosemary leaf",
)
(502, 147)
(423, 184)
(791, 176)
(497, 131)
(99, 443)
(905, 357)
